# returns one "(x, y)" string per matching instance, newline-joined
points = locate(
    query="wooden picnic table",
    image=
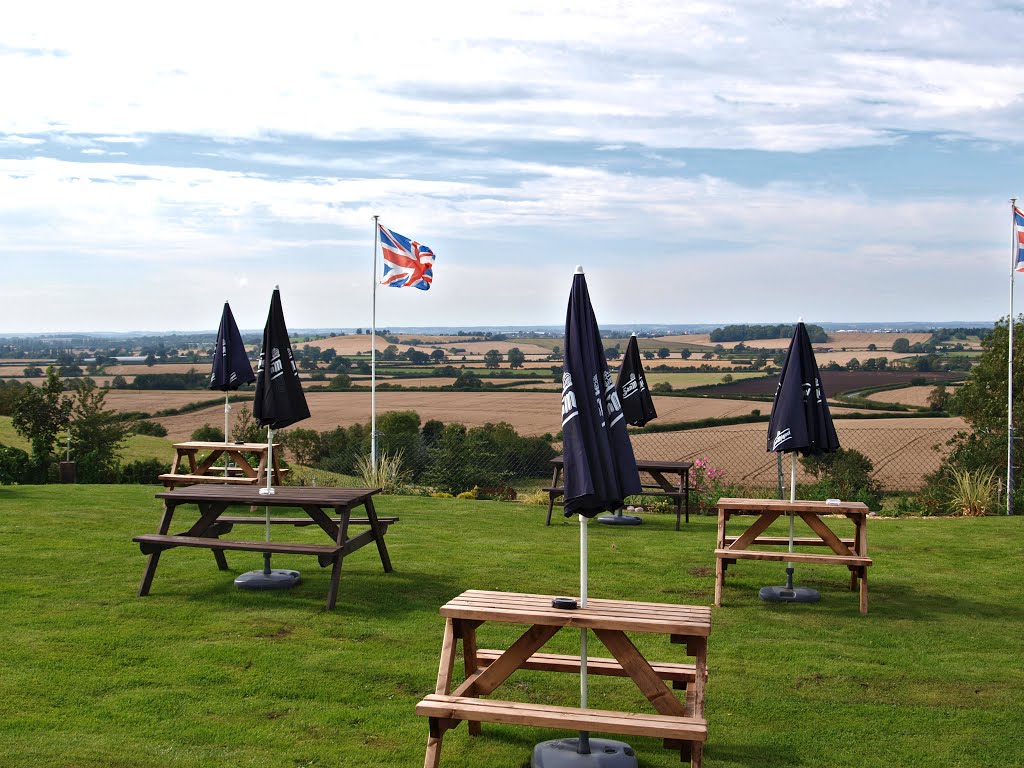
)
(250, 464)
(214, 500)
(851, 552)
(670, 479)
(679, 721)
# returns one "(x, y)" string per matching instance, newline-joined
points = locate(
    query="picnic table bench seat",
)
(298, 522)
(153, 542)
(445, 710)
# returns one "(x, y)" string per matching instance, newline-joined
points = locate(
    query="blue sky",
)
(705, 162)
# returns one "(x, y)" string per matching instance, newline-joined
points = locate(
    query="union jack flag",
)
(406, 262)
(1018, 225)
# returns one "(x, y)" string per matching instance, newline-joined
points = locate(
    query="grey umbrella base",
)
(268, 578)
(620, 519)
(276, 579)
(789, 593)
(604, 753)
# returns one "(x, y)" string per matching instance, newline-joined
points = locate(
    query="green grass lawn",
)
(199, 674)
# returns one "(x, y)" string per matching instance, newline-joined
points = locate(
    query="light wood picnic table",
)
(679, 721)
(851, 552)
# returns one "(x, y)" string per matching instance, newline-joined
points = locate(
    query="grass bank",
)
(199, 674)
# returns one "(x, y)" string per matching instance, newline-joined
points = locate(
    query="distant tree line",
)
(750, 332)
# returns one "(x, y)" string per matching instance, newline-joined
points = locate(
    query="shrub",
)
(152, 428)
(15, 466)
(843, 474)
(145, 472)
(208, 433)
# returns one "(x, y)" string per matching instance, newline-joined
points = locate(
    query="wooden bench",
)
(446, 711)
(151, 543)
(662, 486)
(235, 476)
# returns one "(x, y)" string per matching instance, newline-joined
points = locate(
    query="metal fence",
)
(901, 458)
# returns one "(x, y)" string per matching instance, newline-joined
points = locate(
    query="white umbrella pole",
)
(227, 428)
(373, 355)
(792, 498)
(583, 746)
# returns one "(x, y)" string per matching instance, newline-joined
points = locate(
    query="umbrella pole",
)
(268, 490)
(583, 745)
(227, 427)
(792, 498)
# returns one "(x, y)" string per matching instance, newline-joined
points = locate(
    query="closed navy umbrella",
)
(279, 403)
(635, 395)
(800, 423)
(231, 368)
(600, 472)
(637, 407)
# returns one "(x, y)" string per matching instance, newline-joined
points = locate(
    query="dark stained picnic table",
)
(670, 479)
(328, 508)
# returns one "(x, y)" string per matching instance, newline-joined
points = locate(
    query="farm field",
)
(135, 370)
(849, 340)
(902, 450)
(687, 380)
(531, 413)
(834, 382)
(907, 396)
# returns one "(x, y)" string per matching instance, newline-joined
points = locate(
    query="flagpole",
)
(373, 355)
(1009, 357)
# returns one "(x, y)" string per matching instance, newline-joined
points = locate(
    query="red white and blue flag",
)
(1018, 227)
(407, 264)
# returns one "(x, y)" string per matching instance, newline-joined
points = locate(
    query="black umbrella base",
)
(275, 579)
(604, 753)
(789, 595)
(620, 520)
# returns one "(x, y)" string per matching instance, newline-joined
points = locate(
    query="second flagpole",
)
(373, 354)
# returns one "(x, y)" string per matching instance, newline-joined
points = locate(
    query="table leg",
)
(378, 535)
(471, 665)
(685, 477)
(154, 559)
(332, 593)
(864, 590)
(551, 494)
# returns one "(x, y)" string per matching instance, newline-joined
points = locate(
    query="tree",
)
(685, 354)
(33, 372)
(340, 382)
(437, 355)
(938, 398)
(39, 415)
(150, 359)
(901, 345)
(611, 353)
(515, 358)
(648, 354)
(663, 353)
(96, 435)
(492, 359)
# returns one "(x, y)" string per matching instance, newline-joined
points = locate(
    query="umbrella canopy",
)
(800, 419)
(231, 368)
(279, 398)
(600, 469)
(635, 396)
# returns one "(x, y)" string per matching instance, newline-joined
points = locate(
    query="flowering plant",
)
(706, 484)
